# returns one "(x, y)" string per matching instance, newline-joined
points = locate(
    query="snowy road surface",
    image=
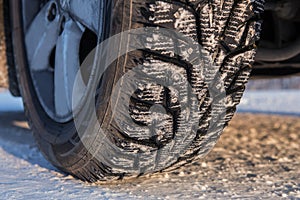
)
(257, 157)
(272, 102)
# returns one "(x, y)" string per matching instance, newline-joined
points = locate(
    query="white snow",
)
(25, 174)
(9, 103)
(284, 102)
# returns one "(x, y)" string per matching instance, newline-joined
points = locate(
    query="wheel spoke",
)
(87, 12)
(42, 37)
(66, 66)
(53, 37)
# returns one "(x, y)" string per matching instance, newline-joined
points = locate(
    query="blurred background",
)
(273, 91)
(3, 81)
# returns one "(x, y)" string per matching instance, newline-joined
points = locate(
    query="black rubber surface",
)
(13, 82)
(227, 31)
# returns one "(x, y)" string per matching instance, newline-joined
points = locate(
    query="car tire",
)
(226, 30)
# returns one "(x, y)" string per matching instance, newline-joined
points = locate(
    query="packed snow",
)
(25, 174)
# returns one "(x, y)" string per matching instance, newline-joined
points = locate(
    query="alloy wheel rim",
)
(59, 34)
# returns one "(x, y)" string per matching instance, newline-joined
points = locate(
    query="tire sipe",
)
(226, 30)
